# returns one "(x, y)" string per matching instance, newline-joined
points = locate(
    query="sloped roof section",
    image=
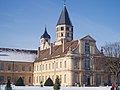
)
(17, 55)
(56, 51)
(88, 37)
(64, 18)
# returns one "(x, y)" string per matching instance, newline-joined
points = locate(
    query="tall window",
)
(16, 78)
(2, 66)
(52, 65)
(61, 34)
(49, 66)
(65, 78)
(40, 67)
(43, 67)
(30, 69)
(16, 68)
(60, 64)
(23, 68)
(23, 78)
(87, 48)
(1, 79)
(87, 63)
(62, 28)
(9, 67)
(46, 66)
(61, 78)
(34, 80)
(53, 77)
(37, 67)
(67, 28)
(39, 78)
(67, 34)
(29, 79)
(98, 79)
(43, 78)
(65, 64)
(87, 80)
(56, 64)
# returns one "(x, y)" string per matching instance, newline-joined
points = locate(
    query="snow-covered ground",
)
(51, 88)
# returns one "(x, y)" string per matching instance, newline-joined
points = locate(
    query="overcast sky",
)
(22, 22)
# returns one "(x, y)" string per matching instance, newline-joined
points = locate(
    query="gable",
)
(88, 38)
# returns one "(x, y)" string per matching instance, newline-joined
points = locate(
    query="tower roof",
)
(64, 17)
(45, 35)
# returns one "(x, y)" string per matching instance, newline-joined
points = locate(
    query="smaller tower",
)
(45, 40)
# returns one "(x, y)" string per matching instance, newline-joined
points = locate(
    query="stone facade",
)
(14, 70)
(73, 65)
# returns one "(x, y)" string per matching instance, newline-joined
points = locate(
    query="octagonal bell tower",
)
(64, 28)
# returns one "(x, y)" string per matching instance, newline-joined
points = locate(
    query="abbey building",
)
(72, 60)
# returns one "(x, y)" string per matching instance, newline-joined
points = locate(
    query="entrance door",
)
(87, 80)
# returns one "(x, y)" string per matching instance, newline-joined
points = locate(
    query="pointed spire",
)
(45, 35)
(64, 2)
(64, 17)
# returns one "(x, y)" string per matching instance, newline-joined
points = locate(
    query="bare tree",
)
(111, 59)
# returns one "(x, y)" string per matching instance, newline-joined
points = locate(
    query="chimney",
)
(51, 46)
(38, 52)
(63, 45)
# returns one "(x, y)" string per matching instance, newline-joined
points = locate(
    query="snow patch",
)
(51, 88)
(17, 56)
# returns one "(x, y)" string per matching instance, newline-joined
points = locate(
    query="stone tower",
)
(64, 28)
(45, 40)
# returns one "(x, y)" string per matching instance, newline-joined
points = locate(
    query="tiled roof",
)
(57, 51)
(64, 18)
